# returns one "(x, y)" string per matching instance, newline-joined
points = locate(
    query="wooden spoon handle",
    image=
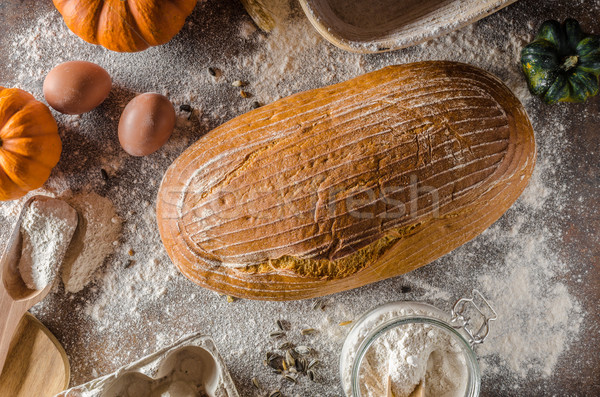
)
(418, 392)
(11, 313)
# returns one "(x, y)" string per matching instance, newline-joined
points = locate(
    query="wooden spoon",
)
(15, 297)
(419, 391)
(389, 392)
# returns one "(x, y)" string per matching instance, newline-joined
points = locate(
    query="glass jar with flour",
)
(406, 349)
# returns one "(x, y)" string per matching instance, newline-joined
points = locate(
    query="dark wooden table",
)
(576, 223)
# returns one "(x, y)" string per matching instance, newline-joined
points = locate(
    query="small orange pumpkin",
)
(29, 143)
(125, 25)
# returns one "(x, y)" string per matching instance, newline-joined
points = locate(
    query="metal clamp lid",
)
(483, 309)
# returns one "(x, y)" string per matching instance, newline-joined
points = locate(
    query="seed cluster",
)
(290, 361)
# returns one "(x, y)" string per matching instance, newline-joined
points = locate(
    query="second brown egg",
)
(146, 124)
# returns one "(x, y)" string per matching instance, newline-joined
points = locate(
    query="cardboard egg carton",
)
(190, 367)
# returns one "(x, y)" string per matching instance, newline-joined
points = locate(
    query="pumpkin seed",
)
(291, 378)
(289, 360)
(319, 304)
(282, 325)
(277, 334)
(313, 363)
(311, 375)
(302, 349)
(293, 353)
(275, 361)
(286, 345)
(301, 364)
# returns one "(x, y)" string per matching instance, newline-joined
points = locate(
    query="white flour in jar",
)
(408, 355)
(46, 229)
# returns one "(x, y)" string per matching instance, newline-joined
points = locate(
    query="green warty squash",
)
(562, 64)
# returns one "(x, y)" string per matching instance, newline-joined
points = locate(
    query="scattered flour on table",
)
(538, 318)
(95, 238)
(142, 276)
(46, 229)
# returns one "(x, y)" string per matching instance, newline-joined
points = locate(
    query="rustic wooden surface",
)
(578, 370)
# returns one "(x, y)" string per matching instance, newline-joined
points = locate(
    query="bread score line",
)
(341, 186)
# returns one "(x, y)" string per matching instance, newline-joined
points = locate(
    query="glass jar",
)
(400, 317)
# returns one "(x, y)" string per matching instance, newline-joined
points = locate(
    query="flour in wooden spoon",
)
(46, 230)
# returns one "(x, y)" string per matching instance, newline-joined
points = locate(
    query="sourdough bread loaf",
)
(344, 185)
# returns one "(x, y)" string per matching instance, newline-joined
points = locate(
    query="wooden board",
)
(37, 364)
(369, 26)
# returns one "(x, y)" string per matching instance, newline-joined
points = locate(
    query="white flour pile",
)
(83, 231)
(46, 229)
(140, 302)
(408, 355)
(96, 237)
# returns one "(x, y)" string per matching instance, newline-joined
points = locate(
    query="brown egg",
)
(76, 87)
(146, 124)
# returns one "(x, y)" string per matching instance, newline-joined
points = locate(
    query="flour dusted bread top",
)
(326, 183)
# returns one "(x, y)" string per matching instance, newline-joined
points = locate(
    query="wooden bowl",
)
(369, 26)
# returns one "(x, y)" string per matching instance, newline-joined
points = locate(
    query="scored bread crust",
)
(341, 186)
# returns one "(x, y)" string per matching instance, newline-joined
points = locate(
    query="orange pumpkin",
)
(125, 25)
(29, 143)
